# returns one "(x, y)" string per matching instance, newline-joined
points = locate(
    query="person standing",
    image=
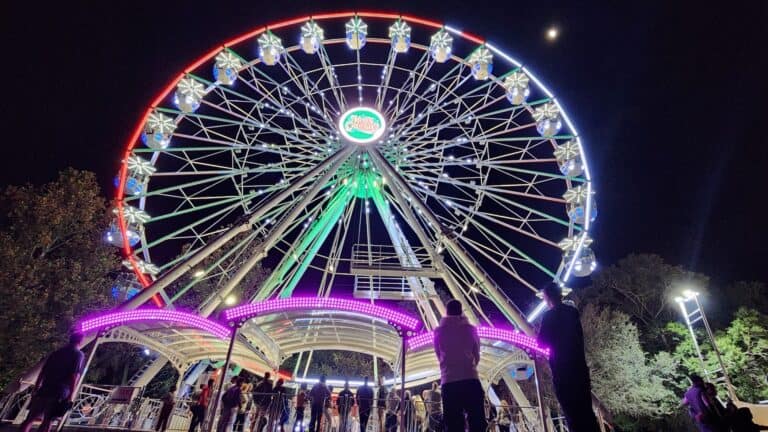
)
(243, 407)
(201, 406)
(346, 399)
(458, 351)
(56, 384)
(317, 398)
(279, 410)
(262, 398)
(364, 404)
(561, 332)
(393, 408)
(301, 403)
(328, 410)
(695, 400)
(166, 409)
(434, 402)
(381, 403)
(230, 403)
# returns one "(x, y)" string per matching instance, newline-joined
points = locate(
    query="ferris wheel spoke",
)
(461, 212)
(453, 203)
(219, 269)
(509, 249)
(415, 78)
(296, 135)
(310, 90)
(332, 78)
(304, 248)
(386, 75)
(407, 104)
(258, 83)
(199, 118)
(204, 219)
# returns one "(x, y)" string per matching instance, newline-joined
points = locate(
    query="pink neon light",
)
(153, 315)
(491, 333)
(163, 94)
(323, 304)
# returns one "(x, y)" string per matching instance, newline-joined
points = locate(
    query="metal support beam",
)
(408, 258)
(403, 349)
(510, 310)
(212, 413)
(522, 401)
(188, 264)
(450, 281)
(539, 399)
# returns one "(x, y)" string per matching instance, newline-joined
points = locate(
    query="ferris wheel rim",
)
(128, 250)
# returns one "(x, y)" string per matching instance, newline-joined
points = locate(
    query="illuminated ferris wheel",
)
(376, 155)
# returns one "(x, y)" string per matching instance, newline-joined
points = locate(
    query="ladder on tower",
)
(694, 316)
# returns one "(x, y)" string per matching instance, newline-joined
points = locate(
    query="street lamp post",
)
(691, 295)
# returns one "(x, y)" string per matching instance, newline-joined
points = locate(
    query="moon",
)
(552, 33)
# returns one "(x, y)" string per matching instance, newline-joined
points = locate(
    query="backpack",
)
(231, 398)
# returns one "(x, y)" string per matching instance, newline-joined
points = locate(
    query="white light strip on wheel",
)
(587, 220)
(537, 311)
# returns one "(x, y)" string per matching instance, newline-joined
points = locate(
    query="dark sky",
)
(669, 97)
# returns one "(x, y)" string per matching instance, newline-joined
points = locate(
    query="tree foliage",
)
(743, 348)
(340, 364)
(643, 286)
(624, 379)
(54, 266)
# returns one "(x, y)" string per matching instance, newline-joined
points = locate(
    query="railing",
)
(93, 408)
(269, 412)
(14, 406)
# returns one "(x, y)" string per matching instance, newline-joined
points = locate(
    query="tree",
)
(750, 294)
(744, 350)
(624, 379)
(743, 347)
(54, 266)
(340, 364)
(643, 286)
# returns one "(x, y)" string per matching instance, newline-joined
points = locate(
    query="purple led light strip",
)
(153, 315)
(515, 338)
(321, 304)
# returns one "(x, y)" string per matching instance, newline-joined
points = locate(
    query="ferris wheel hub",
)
(362, 125)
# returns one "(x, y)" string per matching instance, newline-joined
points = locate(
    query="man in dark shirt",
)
(364, 404)
(381, 402)
(561, 332)
(318, 397)
(55, 384)
(262, 397)
(346, 399)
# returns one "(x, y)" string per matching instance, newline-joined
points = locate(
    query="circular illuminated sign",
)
(362, 125)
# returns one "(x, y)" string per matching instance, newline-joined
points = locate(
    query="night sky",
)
(669, 98)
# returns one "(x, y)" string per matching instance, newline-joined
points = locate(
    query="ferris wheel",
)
(377, 155)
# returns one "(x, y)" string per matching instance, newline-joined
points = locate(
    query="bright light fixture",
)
(230, 300)
(552, 33)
